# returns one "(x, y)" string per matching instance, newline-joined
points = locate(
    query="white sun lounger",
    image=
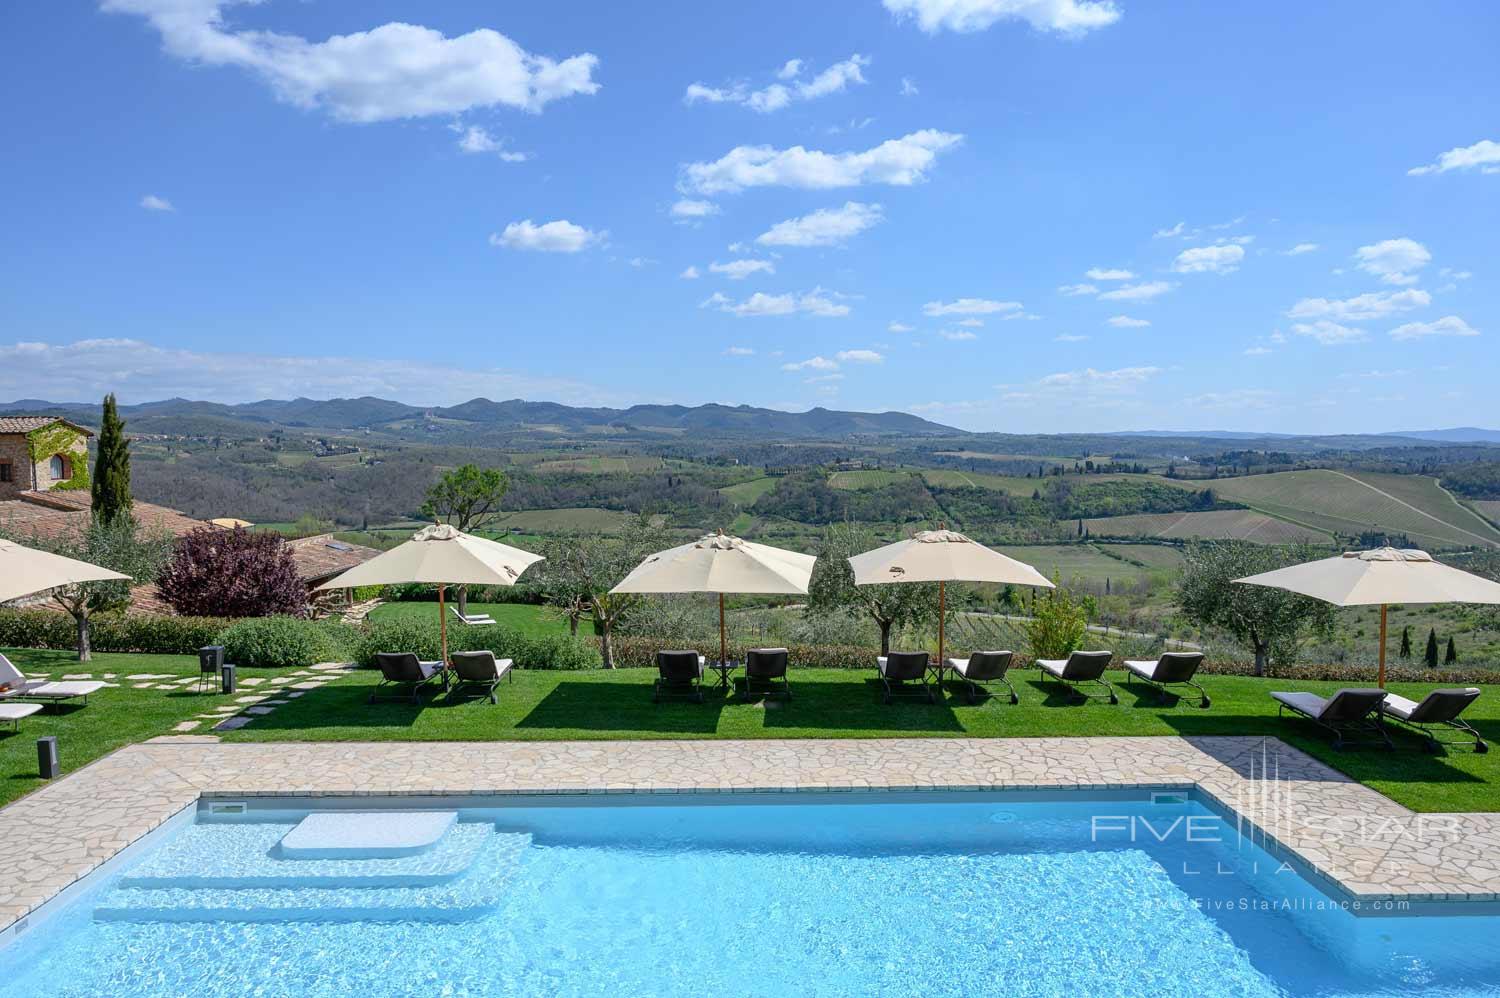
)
(13, 712)
(473, 619)
(15, 686)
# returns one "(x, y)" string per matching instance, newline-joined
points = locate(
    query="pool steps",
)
(237, 873)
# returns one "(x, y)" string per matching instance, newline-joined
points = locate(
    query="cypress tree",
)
(1431, 657)
(1405, 652)
(111, 485)
(1452, 655)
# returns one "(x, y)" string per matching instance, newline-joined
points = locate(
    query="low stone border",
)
(1361, 843)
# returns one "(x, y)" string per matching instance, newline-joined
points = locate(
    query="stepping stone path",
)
(285, 688)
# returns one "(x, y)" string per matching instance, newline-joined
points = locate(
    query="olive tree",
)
(466, 497)
(1271, 621)
(579, 572)
(832, 589)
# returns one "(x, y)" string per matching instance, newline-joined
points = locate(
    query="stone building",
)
(38, 453)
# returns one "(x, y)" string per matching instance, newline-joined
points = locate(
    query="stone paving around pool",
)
(1364, 844)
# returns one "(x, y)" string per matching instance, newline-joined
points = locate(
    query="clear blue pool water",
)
(839, 896)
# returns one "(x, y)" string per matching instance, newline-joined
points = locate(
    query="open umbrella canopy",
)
(440, 555)
(942, 556)
(1381, 576)
(25, 571)
(717, 563)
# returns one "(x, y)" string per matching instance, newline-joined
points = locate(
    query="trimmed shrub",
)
(278, 642)
(551, 651)
(640, 653)
(112, 632)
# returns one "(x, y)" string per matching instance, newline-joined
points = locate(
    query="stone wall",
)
(25, 475)
(75, 458)
(13, 452)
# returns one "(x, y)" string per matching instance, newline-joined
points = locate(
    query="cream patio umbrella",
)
(25, 571)
(1380, 577)
(718, 563)
(941, 556)
(443, 556)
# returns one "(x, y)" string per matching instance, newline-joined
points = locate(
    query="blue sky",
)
(1018, 215)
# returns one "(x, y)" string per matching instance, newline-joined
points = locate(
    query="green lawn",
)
(524, 617)
(829, 703)
(113, 717)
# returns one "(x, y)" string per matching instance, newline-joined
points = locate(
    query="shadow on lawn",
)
(842, 705)
(340, 705)
(623, 707)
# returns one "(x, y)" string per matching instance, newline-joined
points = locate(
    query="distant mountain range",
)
(375, 413)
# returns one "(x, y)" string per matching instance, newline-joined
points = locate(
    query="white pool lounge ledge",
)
(1361, 844)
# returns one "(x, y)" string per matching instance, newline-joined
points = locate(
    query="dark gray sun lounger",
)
(765, 666)
(901, 667)
(1173, 668)
(1349, 711)
(1081, 667)
(400, 670)
(680, 674)
(479, 669)
(983, 667)
(1438, 709)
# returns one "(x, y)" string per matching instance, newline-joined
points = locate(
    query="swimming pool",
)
(818, 894)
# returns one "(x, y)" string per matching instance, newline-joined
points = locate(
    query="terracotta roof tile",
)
(25, 424)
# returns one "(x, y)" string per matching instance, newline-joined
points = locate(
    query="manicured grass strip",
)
(542, 706)
(114, 716)
(533, 621)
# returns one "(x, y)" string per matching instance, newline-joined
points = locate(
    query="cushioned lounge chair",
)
(984, 667)
(11, 713)
(1173, 668)
(767, 667)
(902, 667)
(1349, 711)
(481, 670)
(1081, 667)
(400, 670)
(1438, 709)
(679, 674)
(15, 686)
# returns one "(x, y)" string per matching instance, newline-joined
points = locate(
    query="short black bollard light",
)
(226, 672)
(46, 757)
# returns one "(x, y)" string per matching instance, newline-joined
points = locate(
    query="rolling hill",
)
(1220, 524)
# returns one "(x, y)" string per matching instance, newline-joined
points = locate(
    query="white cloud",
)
(1145, 291)
(690, 273)
(908, 87)
(1067, 17)
(898, 162)
(153, 203)
(898, 327)
(1393, 260)
(1126, 322)
(1372, 305)
(860, 357)
(688, 211)
(969, 306)
(1450, 325)
(812, 364)
(642, 261)
(1089, 379)
(560, 236)
(738, 270)
(835, 79)
(1068, 338)
(474, 139)
(1235, 398)
(388, 72)
(1174, 231)
(1302, 248)
(1109, 274)
(972, 323)
(139, 371)
(957, 335)
(824, 227)
(739, 352)
(815, 302)
(1257, 351)
(1074, 290)
(1209, 260)
(1329, 333)
(1484, 155)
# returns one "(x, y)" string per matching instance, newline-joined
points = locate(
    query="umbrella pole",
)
(723, 636)
(942, 613)
(443, 626)
(1382, 645)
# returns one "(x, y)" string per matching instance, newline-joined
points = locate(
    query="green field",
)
(1162, 557)
(1488, 508)
(1226, 524)
(1066, 562)
(582, 519)
(1350, 503)
(1020, 485)
(871, 479)
(601, 465)
(745, 493)
(524, 617)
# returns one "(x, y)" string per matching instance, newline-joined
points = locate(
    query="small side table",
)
(725, 671)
